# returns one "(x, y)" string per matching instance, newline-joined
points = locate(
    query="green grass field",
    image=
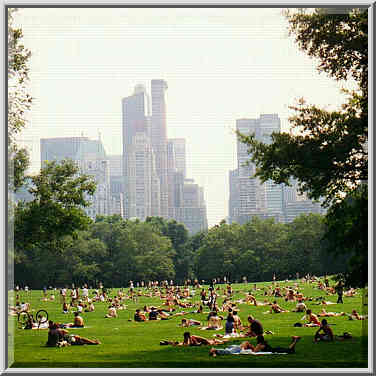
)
(128, 344)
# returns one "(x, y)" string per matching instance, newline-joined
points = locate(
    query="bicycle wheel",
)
(23, 318)
(41, 317)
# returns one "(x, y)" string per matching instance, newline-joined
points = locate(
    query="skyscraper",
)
(159, 139)
(138, 157)
(180, 154)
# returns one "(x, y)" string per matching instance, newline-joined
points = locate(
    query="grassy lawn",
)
(127, 344)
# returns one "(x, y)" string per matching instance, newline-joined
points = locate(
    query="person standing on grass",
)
(339, 289)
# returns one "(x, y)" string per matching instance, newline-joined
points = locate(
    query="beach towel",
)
(250, 352)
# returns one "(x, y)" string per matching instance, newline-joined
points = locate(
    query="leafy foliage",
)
(328, 151)
(19, 101)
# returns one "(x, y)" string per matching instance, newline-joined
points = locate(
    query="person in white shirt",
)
(85, 293)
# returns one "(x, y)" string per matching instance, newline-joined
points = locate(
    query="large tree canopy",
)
(327, 152)
(57, 208)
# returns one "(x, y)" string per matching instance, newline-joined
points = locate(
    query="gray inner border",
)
(7, 282)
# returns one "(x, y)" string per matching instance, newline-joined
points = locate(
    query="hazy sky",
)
(220, 65)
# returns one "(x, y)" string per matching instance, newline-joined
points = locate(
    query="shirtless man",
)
(323, 313)
(276, 308)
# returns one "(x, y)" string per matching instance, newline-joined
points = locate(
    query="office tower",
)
(233, 202)
(59, 148)
(180, 154)
(159, 139)
(268, 124)
(140, 177)
(139, 174)
(90, 157)
(116, 184)
(251, 193)
(192, 211)
(296, 203)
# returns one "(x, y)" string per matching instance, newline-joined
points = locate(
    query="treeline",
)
(115, 251)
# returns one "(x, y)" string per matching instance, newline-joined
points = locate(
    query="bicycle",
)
(26, 320)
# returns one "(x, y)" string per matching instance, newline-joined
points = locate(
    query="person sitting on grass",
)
(60, 337)
(214, 321)
(189, 322)
(78, 322)
(139, 316)
(255, 328)
(153, 314)
(237, 321)
(276, 308)
(261, 346)
(111, 312)
(313, 320)
(300, 306)
(327, 334)
(65, 308)
(229, 326)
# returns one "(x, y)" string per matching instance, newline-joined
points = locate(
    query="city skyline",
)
(220, 64)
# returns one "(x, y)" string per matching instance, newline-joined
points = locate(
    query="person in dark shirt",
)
(327, 334)
(263, 346)
(153, 314)
(255, 327)
(229, 327)
(138, 316)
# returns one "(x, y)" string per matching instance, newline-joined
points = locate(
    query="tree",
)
(347, 229)
(328, 155)
(57, 208)
(19, 101)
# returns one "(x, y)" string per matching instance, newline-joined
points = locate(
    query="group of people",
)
(178, 301)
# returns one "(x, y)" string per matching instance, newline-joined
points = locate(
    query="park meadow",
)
(129, 344)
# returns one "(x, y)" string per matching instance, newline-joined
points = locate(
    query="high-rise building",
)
(180, 154)
(159, 139)
(248, 197)
(154, 167)
(138, 157)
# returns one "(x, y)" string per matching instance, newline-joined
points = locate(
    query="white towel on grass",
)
(250, 352)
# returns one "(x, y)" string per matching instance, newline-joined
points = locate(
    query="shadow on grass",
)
(339, 354)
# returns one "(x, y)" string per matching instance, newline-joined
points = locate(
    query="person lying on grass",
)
(189, 322)
(192, 340)
(327, 334)
(323, 313)
(355, 316)
(261, 346)
(60, 337)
